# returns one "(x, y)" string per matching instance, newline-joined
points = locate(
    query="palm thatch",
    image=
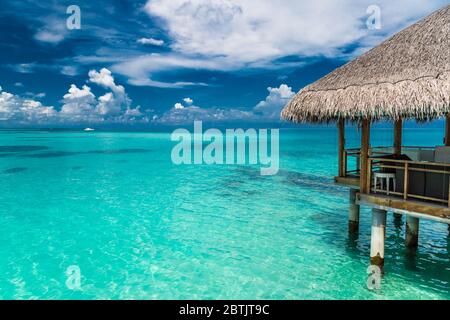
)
(407, 76)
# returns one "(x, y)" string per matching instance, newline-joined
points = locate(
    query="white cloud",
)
(151, 41)
(24, 67)
(53, 31)
(267, 110)
(273, 104)
(188, 101)
(48, 36)
(69, 70)
(17, 109)
(187, 115)
(105, 79)
(178, 106)
(230, 35)
(140, 70)
(112, 102)
(243, 32)
(79, 105)
(18, 84)
(135, 112)
(78, 102)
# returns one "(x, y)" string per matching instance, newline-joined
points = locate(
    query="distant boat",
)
(89, 129)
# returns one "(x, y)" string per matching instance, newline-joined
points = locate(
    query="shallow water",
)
(138, 226)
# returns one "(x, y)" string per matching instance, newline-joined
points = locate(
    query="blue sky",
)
(169, 62)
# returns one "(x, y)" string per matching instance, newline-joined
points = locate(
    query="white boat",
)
(89, 129)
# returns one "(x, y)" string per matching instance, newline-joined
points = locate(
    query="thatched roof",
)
(406, 76)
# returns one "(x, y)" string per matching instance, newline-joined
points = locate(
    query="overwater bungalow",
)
(407, 77)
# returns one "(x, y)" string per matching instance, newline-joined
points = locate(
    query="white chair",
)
(382, 177)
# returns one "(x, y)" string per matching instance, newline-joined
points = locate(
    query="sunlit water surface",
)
(138, 226)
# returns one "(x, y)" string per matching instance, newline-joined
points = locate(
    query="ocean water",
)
(139, 227)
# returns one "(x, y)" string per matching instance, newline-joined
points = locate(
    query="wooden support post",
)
(406, 181)
(412, 231)
(353, 213)
(449, 192)
(398, 127)
(447, 130)
(365, 145)
(377, 238)
(342, 156)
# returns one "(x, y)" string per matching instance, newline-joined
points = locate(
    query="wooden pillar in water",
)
(365, 145)
(341, 127)
(378, 237)
(353, 212)
(398, 128)
(412, 232)
(447, 131)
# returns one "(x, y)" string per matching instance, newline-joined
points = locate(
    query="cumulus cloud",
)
(17, 109)
(151, 41)
(78, 102)
(188, 101)
(273, 104)
(186, 112)
(112, 102)
(79, 105)
(269, 109)
(178, 106)
(187, 115)
(105, 79)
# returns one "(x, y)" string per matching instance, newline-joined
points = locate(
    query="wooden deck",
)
(397, 204)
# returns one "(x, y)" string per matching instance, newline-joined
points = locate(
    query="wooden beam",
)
(347, 181)
(341, 127)
(398, 127)
(447, 130)
(424, 208)
(365, 145)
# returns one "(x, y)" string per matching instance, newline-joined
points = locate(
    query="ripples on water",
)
(140, 227)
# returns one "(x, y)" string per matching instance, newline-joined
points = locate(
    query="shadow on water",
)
(58, 154)
(14, 170)
(311, 181)
(13, 150)
(304, 180)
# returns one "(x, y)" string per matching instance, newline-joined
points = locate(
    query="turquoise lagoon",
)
(139, 227)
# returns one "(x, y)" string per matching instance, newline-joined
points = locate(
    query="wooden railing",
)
(351, 158)
(428, 181)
